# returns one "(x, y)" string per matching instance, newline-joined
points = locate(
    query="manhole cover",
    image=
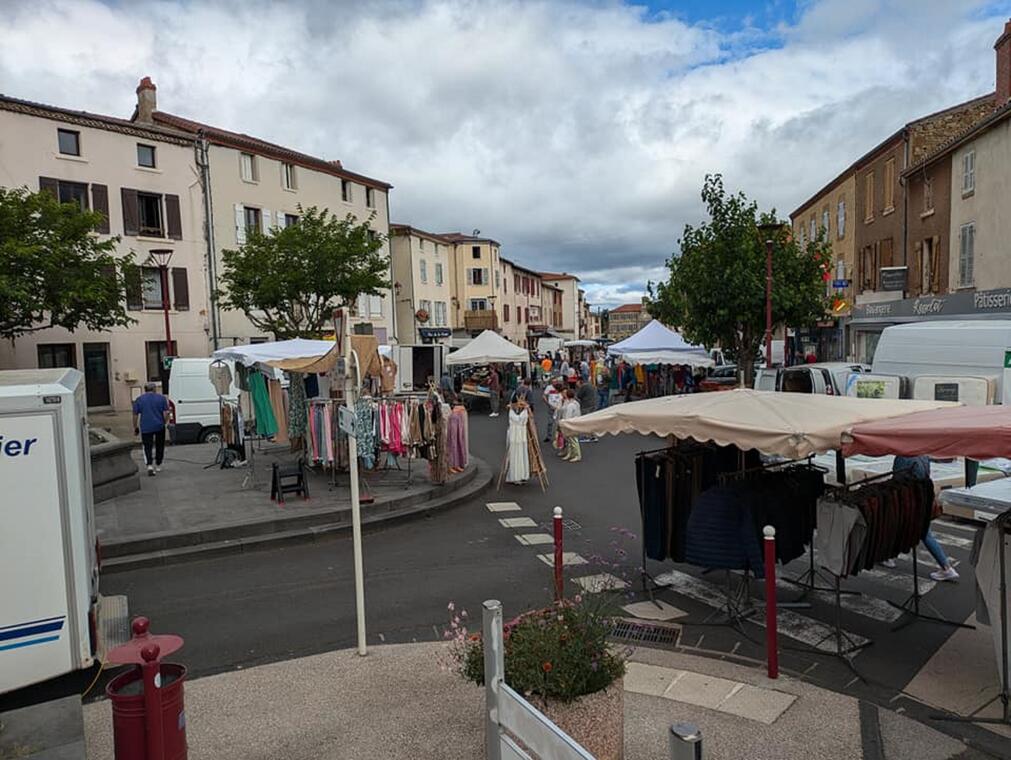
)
(648, 634)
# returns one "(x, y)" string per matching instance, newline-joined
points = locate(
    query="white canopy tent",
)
(657, 344)
(489, 348)
(580, 344)
(281, 350)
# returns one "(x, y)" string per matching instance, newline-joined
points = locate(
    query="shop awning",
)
(976, 432)
(792, 425)
(489, 348)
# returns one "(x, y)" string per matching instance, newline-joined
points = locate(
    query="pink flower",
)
(450, 606)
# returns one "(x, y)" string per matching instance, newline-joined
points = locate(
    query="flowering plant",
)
(561, 652)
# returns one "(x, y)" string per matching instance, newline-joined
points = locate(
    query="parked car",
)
(829, 378)
(723, 378)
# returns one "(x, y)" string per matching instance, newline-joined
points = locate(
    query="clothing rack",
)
(219, 456)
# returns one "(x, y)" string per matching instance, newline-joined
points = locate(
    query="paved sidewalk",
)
(401, 703)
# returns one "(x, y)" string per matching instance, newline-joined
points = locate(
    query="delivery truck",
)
(49, 603)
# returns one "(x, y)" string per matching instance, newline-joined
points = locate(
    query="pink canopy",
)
(975, 432)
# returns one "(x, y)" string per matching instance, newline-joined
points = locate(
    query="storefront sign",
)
(966, 303)
(427, 333)
(893, 278)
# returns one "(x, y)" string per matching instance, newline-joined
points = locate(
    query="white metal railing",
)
(509, 715)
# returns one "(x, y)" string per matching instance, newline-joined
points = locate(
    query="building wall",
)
(417, 261)
(839, 194)
(570, 306)
(625, 323)
(28, 151)
(465, 290)
(878, 224)
(986, 208)
(231, 193)
(928, 229)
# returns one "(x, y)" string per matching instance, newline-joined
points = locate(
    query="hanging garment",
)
(365, 433)
(721, 532)
(266, 422)
(457, 443)
(311, 382)
(518, 461)
(221, 378)
(277, 405)
(840, 537)
(242, 375)
(298, 417)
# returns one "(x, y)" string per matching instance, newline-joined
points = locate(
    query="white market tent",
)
(489, 348)
(792, 425)
(281, 350)
(657, 344)
(580, 344)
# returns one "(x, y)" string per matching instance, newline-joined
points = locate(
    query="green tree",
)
(54, 270)
(715, 293)
(288, 281)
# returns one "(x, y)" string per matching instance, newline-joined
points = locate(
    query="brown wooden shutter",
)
(172, 219)
(935, 267)
(180, 289)
(915, 275)
(100, 203)
(134, 289)
(131, 214)
(50, 185)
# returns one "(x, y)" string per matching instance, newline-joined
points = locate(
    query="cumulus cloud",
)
(578, 134)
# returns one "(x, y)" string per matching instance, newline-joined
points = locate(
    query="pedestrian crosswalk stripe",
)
(899, 581)
(503, 506)
(517, 522)
(568, 558)
(954, 542)
(860, 604)
(531, 539)
(946, 524)
(594, 584)
(789, 623)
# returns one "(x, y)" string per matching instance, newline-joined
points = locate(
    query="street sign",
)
(346, 421)
(167, 362)
(893, 278)
(1007, 359)
(840, 284)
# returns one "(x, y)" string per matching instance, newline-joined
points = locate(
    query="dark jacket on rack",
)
(721, 532)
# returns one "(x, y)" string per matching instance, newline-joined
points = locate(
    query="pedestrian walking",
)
(584, 371)
(525, 393)
(553, 398)
(446, 385)
(150, 415)
(587, 399)
(570, 410)
(494, 390)
(918, 468)
(546, 365)
(603, 383)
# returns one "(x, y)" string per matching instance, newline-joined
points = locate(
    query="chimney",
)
(147, 100)
(1003, 48)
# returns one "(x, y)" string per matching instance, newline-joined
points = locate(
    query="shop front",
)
(431, 335)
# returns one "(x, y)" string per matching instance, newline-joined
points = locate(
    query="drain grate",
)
(569, 524)
(648, 634)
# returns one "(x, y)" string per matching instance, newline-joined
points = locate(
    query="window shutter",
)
(265, 220)
(180, 289)
(279, 217)
(131, 214)
(240, 224)
(100, 203)
(173, 221)
(134, 290)
(375, 306)
(363, 305)
(50, 185)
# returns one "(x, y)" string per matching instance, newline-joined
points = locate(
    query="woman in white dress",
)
(518, 470)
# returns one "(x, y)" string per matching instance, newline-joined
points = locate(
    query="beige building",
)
(522, 314)
(477, 283)
(142, 178)
(423, 284)
(257, 184)
(626, 320)
(568, 284)
(551, 306)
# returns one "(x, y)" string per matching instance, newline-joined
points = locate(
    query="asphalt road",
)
(243, 610)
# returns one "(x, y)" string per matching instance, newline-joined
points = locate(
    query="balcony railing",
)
(484, 319)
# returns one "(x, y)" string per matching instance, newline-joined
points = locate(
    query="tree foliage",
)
(288, 281)
(54, 270)
(715, 293)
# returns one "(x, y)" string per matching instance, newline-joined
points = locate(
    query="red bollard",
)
(559, 590)
(771, 642)
(155, 731)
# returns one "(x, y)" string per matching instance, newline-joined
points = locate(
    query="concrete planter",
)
(596, 721)
(113, 471)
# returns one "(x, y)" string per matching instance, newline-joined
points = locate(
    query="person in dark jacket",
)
(587, 398)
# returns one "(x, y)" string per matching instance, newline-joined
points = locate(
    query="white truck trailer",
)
(49, 601)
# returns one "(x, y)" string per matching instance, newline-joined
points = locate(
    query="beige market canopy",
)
(792, 425)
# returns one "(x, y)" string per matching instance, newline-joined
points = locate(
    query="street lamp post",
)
(768, 230)
(161, 259)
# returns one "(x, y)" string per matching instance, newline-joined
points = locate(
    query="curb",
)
(170, 549)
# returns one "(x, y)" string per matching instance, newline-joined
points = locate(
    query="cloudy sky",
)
(575, 132)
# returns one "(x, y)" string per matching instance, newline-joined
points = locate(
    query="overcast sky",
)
(576, 133)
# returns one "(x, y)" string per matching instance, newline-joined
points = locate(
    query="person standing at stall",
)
(553, 398)
(602, 381)
(918, 468)
(494, 390)
(150, 415)
(570, 410)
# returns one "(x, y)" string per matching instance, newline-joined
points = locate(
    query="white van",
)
(194, 402)
(949, 349)
(827, 378)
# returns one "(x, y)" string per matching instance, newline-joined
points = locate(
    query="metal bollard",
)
(685, 742)
(559, 578)
(771, 635)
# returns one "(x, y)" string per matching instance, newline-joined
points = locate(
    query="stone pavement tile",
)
(907, 739)
(517, 522)
(659, 610)
(594, 584)
(702, 690)
(994, 710)
(763, 705)
(568, 558)
(649, 679)
(532, 539)
(503, 506)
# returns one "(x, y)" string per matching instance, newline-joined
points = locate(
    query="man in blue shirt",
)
(150, 413)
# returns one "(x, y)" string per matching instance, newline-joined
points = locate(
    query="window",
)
(966, 253)
(423, 269)
(345, 191)
(498, 279)
(840, 220)
(969, 173)
(800, 236)
(438, 273)
(145, 155)
(156, 353)
(505, 312)
(425, 306)
(253, 218)
(290, 219)
(478, 304)
(889, 193)
(151, 287)
(247, 167)
(54, 355)
(526, 313)
(370, 197)
(477, 276)
(928, 195)
(288, 179)
(927, 268)
(825, 222)
(869, 197)
(440, 313)
(475, 251)
(812, 229)
(421, 243)
(69, 141)
(73, 192)
(149, 215)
